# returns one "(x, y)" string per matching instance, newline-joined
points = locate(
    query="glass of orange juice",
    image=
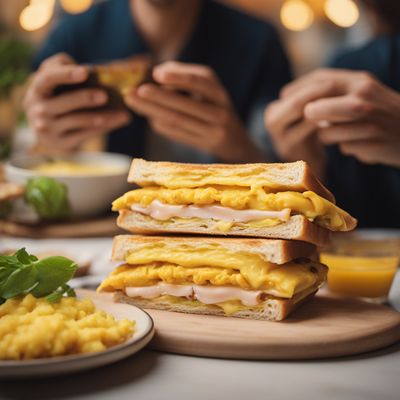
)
(363, 264)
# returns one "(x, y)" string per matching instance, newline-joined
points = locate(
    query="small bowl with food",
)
(75, 186)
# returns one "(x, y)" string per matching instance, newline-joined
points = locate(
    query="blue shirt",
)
(245, 53)
(369, 192)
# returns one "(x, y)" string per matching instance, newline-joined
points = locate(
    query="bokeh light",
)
(296, 15)
(76, 6)
(36, 15)
(343, 13)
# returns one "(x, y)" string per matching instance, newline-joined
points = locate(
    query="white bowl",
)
(89, 195)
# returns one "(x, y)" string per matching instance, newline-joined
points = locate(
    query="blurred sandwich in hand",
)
(283, 201)
(9, 191)
(116, 79)
(248, 278)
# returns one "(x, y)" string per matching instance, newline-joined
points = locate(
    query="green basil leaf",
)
(56, 296)
(59, 293)
(52, 272)
(48, 197)
(23, 256)
(20, 281)
(9, 261)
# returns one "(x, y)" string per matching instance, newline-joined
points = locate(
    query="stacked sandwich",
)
(285, 210)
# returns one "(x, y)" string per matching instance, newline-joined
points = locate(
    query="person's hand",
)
(294, 137)
(357, 112)
(190, 106)
(59, 125)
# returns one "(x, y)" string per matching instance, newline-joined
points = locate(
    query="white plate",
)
(144, 331)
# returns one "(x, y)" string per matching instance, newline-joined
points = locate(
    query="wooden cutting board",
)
(324, 327)
(105, 226)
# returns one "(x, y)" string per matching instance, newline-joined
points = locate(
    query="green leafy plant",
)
(48, 197)
(23, 273)
(15, 57)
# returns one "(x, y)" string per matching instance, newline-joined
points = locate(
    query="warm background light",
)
(296, 15)
(343, 13)
(76, 6)
(36, 15)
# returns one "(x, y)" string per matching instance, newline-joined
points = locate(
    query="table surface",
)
(155, 375)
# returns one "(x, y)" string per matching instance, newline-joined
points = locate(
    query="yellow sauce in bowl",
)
(368, 277)
(62, 167)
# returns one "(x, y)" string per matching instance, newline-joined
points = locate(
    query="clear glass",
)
(363, 264)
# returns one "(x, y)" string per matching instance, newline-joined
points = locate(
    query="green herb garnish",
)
(23, 273)
(48, 197)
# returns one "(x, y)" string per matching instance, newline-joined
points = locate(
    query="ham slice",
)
(205, 294)
(163, 212)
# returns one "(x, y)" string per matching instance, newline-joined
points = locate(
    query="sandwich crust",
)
(296, 176)
(296, 228)
(274, 251)
(274, 309)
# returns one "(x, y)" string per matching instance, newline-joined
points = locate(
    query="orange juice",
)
(369, 277)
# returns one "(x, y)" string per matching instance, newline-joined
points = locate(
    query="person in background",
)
(345, 121)
(228, 64)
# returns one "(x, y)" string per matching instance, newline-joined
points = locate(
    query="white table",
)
(155, 375)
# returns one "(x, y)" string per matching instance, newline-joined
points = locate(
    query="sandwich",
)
(116, 79)
(9, 192)
(261, 279)
(284, 201)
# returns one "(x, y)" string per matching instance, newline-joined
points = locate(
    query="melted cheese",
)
(309, 204)
(212, 265)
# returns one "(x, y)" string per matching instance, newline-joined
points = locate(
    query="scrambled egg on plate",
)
(35, 328)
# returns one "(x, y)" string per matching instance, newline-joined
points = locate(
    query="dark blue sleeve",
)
(274, 73)
(60, 40)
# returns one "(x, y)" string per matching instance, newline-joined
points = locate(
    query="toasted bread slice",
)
(297, 228)
(274, 308)
(10, 191)
(274, 251)
(296, 176)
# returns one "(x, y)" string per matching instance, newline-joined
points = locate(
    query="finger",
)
(288, 111)
(178, 134)
(367, 151)
(338, 109)
(349, 132)
(183, 104)
(171, 117)
(57, 59)
(70, 141)
(45, 81)
(75, 139)
(335, 77)
(83, 121)
(68, 102)
(299, 133)
(196, 79)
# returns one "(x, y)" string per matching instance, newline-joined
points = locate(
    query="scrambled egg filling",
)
(34, 328)
(309, 204)
(213, 265)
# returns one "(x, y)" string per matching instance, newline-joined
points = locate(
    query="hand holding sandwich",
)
(56, 120)
(204, 119)
(351, 109)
